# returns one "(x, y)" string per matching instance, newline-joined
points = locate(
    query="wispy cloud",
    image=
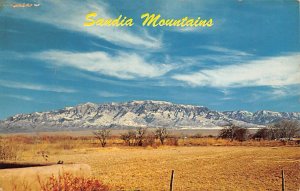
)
(226, 92)
(21, 97)
(107, 94)
(70, 15)
(121, 65)
(226, 98)
(217, 55)
(225, 50)
(282, 91)
(273, 93)
(274, 71)
(37, 87)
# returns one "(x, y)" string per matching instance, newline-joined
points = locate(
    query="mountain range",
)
(140, 113)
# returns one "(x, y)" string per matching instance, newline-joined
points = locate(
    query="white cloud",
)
(122, 65)
(191, 29)
(226, 92)
(226, 98)
(38, 87)
(274, 71)
(70, 15)
(109, 94)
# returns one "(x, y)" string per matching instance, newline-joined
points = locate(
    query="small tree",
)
(172, 140)
(286, 129)
(149, 139)
(161, 134)
(264, 133)
(129, 137)
(102, 135)
(274, 132)
(225, 133)
(234, 132)
(228, 132)
(135, 137)
(140, 135)
(241, 134)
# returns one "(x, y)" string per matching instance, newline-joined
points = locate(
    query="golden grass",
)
(199, 164)
(70, 182)
(32, 178)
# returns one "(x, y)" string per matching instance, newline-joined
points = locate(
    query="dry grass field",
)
(199, 164)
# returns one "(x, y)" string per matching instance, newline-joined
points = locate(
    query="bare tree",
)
(234, 132)
(149, 139)
(161, 134)
(140, 135)
(102, 135)
(129, 137)
(264, 133)
(135, 137)
(241, 134)
(286, 129)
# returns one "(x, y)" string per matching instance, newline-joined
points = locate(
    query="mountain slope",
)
(262, 117)
(140, 113)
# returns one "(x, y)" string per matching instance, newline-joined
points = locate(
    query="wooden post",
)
(171, 182)
(282, 180)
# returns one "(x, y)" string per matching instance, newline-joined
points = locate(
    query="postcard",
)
(149, 95)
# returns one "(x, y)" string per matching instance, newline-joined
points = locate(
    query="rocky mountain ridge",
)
(141, 113)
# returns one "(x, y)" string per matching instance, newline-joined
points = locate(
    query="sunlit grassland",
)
(199, 163)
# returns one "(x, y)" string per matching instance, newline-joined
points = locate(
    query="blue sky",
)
(249, 59)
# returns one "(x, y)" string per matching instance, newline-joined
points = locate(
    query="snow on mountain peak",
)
(149, 113)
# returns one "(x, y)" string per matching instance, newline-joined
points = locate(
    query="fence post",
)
(171, 182)
(282, 180)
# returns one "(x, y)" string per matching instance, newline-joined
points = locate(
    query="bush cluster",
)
(68, 182)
